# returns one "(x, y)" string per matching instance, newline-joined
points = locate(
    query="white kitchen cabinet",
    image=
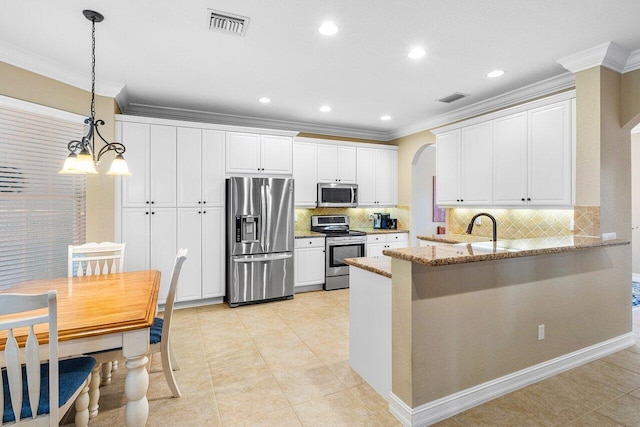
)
(151, 153)
(150, 235)
(201, 231)
(200, 167)
(464, 175)
(533, 157)
(305, 173)
(376, 177)
(309, 259)
(550, 155)
(250, 153)
(336, 163)
(376, 243)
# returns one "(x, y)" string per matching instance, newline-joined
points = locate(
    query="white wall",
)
(423, 170)
(635, 204)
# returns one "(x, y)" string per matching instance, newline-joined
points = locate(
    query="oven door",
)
(337, 251)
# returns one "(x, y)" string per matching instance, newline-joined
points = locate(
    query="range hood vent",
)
(227, 22)
(453, 97)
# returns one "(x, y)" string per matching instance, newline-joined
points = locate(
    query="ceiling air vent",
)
(453, 97)
(227, 22)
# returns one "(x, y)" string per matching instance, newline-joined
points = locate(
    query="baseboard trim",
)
(452, 404)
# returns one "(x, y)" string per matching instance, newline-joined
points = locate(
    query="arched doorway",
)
(423, 169)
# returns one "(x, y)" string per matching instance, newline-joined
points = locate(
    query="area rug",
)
(635, 294)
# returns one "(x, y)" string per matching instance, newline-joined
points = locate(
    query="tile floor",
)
(287, 364)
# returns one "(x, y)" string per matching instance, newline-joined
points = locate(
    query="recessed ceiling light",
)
(264, 100)
(417, 52)
(325, 108)
(495, 73)
(328, 29)
(385, 118)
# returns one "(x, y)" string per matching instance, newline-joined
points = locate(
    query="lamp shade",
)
(119, 166)
(84, 162)
(69, 164)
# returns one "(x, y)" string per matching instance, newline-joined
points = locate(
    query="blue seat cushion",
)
(155, 336)
(72, 373)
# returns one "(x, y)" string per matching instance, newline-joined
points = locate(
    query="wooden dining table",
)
(101, 313)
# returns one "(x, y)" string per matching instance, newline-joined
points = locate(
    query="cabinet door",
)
(305, 173)
(309, 266)
(189, 237)
(189, 167)
(510, 160)
(163, 246)
(213, 167)
(385, 177)
(327, 163)
(366, 176)
(346, 164)
(476, 164)
(135, 188)
(163, 166)
(550, 163)
(242, 152)
(135, 233)
(276, 154)
(213, 268)
(375, 249)
(448, 168)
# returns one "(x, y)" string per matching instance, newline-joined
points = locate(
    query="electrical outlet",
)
(295, 217)
(608, 236)
(370, 217)
(478, 221)
(540, 332)
(572, 225)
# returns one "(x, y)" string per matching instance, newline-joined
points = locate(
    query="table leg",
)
(135, 348)
(94, 391)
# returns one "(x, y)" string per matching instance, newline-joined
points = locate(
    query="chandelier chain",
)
(93, 68)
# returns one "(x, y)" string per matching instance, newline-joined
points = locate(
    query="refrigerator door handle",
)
(263, 258)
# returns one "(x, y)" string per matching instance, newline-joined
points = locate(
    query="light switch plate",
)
(608, 236)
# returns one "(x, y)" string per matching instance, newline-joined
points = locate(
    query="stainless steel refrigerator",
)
(260, 239)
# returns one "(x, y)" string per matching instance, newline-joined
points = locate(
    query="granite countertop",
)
(380, 264)
(380, 230)
(461, 253)
(454, 238)
(306, 234)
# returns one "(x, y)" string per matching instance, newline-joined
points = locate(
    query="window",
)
(41, 211)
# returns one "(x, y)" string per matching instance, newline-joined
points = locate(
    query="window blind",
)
(41, 211)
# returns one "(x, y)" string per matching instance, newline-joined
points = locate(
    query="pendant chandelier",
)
(83, 158)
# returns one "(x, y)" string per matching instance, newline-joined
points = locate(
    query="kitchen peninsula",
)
(473, 321)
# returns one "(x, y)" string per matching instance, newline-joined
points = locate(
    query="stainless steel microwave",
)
(337, 195)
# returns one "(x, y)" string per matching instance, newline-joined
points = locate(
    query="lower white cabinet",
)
(150, 235)
(376, 243)
(201, 231)
(309, 261)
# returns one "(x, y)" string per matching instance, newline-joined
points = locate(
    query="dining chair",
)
(92, 259)
(159, 339)
(34, 392)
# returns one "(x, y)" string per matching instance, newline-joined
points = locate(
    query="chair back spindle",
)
(95, 258)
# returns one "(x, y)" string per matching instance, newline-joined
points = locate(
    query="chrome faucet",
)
(495, 225)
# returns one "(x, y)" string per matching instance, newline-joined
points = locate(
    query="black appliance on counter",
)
(384, 221)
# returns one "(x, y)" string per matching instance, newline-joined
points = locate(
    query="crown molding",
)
(136, 109)
(546, 87)
(54, 70)
(633, 62)
(610, 55)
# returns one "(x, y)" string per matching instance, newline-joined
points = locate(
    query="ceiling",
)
(164, 54)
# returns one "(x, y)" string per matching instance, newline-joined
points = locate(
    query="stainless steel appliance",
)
(337, 195)
(260, 239)
(340, 243)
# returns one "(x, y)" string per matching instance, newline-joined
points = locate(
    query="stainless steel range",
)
(341, 243)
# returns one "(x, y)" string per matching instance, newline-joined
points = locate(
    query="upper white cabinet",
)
(151, 154)
(305, 173)
(251, 153)
(464, 166)
(336, 163)
(520, 159)
(376, 177)
(200, 167)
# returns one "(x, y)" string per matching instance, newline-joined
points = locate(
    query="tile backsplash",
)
(528, 223)
(359, 216)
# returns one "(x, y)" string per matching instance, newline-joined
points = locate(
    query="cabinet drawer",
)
(309, 242)
(376, 238)
(397, 237)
